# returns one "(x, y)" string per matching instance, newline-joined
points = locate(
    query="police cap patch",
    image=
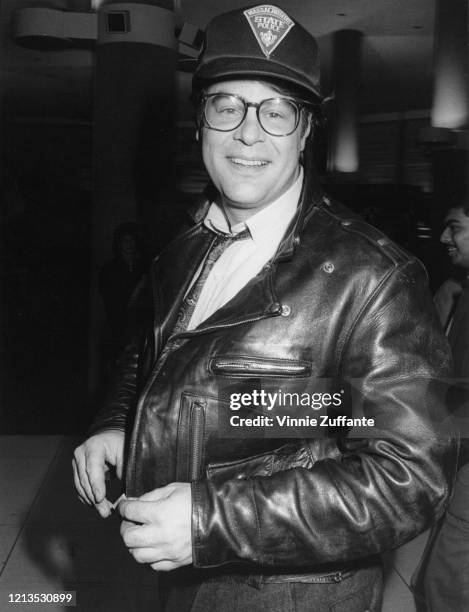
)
(270, 26)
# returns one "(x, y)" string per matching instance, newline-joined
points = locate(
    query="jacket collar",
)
(312, 194)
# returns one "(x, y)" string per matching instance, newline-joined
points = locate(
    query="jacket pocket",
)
(190, 439)
(287, 457)
(240, 469)
(234, 366)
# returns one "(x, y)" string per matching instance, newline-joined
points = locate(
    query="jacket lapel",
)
(173, 272)
(177, 265)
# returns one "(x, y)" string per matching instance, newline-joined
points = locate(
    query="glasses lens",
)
(278, 116)
(224, 112)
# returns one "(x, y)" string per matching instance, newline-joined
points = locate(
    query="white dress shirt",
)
(243, 259)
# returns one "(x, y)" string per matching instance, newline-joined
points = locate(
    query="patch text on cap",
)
(270, 26)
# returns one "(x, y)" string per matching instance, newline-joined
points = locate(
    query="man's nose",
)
(250, 130)
(445, 237)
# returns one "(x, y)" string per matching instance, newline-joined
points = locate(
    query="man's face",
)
(128, 245)
(456, 237)
(249, 167)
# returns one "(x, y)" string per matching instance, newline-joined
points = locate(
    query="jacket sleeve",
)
(122, 392)
(377, 491)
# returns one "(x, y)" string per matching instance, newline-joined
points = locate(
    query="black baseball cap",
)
(259, 41)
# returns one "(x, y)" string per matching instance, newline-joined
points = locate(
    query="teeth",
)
(248, 162)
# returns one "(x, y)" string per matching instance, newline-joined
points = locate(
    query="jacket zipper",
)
(258, 366)
(198, 332)
(197, 438)
(312, 578)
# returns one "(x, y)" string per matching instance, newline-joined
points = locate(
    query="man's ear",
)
(306, 129)
(197, 135)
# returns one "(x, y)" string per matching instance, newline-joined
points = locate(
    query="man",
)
(455, 237)
(272, 283)
(445, 571)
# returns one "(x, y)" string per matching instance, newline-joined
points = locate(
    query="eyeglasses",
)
(277, 116)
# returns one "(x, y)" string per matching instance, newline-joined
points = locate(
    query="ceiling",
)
(396, 68)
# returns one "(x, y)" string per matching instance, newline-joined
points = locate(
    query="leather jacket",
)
(338, 300)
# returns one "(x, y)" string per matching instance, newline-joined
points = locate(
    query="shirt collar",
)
(273, 219)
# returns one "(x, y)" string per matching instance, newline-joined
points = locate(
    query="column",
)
(344, 157)
(134, 132)
(450, 88)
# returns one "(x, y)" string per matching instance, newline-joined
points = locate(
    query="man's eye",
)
(274, 115)
(277, 112)
(228, 110)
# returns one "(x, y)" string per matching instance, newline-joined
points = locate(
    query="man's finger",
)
(96, 469)
(126, 527)
(165, 566)
(145, 555)
(81, 493)
(83, 479)
(104, 508)
(138, 511)
(143, 536)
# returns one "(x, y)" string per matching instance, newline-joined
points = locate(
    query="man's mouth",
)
(248, 163)
(452, 251)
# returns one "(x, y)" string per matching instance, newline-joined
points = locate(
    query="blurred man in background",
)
(445, 571)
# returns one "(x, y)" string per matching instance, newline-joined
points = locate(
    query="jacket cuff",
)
(106, 423)
(200, 512)
(101, 428)
(213, 542)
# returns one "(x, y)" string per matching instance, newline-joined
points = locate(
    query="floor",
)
(50, 542)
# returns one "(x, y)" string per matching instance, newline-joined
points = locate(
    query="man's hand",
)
(90, 463)
(157, 526)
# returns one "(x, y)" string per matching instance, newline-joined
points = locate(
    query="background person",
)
(120, 281)
(444, 575)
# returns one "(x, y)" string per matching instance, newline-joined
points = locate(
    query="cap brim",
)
(228, 67)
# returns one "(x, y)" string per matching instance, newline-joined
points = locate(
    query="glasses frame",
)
(297, 103)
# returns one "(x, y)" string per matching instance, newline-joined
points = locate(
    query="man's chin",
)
(243, 200)
(459, 262)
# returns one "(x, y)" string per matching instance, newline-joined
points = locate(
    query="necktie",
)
(219, 245)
